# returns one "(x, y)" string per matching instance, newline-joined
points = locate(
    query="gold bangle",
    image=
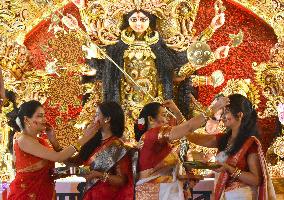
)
(74, 148)
(205, 116)
(77, 146)
(236, 173)
(207, 33)
(182, 120)
(105, 176)
(209, 112)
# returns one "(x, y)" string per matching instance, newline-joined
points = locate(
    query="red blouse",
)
(153, 151)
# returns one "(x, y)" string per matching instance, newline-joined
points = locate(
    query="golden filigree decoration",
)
(278, 146)
(66, 89)
(14, 57)
(271, 11)
(270, 77)
(22, 16)
(276, 170)
(67, 134)
(6, 168)
(243, 87)
(66, 48)
(90, 107)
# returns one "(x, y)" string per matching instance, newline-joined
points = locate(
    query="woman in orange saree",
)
(107, 157)
(243, 173)
(34, 157)
(158, 159)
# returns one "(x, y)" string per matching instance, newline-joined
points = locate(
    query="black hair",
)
(248, 127)
(114, 111)
(11, 116)
(26, 109)
(150, 109)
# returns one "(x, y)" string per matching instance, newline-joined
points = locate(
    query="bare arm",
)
(203, 140)
(252, 177)
(187, 127)
(33, 147)
(194, 123)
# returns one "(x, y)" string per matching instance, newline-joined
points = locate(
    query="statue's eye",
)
(144, 19)
(133, 19)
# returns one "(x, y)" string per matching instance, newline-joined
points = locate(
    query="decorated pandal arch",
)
(45, 44)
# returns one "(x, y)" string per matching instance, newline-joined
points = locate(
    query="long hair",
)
(108, 109)
(248, 127)
(11, 116)
(150, 109)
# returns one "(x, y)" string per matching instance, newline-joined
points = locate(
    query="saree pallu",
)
(114, 158)
(33, 180)
(237, 189)
(157, 167)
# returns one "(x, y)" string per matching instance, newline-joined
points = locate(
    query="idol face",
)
(139, 22)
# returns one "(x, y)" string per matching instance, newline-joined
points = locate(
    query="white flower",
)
(280, 109)
(141, 121)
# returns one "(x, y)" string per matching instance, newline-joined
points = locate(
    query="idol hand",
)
(222, 52)
(218, 21)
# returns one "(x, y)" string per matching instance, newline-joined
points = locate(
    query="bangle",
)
(105, 176)
(209, 112)
(205, 116)
(74, 148)
(77, 146)
(239, 173)
(236, 174)
(181, 120)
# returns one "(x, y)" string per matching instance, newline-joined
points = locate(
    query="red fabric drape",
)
(106, 191)
(37, 185)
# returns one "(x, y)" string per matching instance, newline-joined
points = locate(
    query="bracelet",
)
(236, 174)
(205, 116)
(74, 148)
(209, 112)
(182, 120)
(239, 173)
(77, 146)
(105, 176)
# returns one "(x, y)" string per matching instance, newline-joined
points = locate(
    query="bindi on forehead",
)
(139, 15)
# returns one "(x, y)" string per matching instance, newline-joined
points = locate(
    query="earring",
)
(106, 121)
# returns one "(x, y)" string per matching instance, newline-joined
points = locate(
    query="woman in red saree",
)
(243, 174)
(158, 159)
(111, 175)
(34, 157)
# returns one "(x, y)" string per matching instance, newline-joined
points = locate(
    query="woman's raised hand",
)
(170, 104)
(50, 132)
(92, 128)
(220, 103)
